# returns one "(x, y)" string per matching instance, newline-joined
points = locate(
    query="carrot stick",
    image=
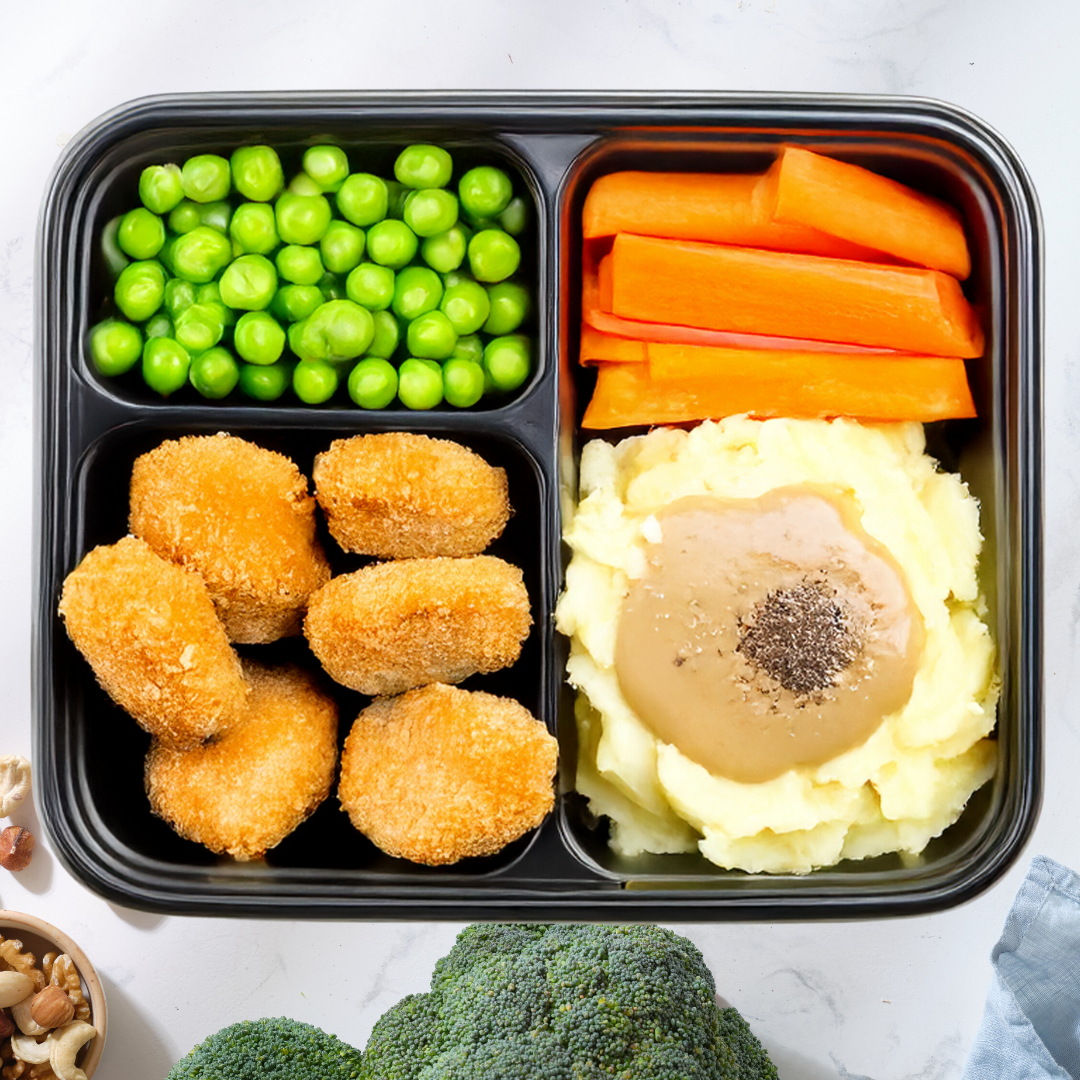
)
(855, 204)
(724, 382)
(724, 208)
(807, 296)
(596, 346)
(594, 314)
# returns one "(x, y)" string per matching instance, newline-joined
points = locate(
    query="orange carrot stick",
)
(597, 346)
(595, 315)
(804, 296)
(724, 208)
(855, 204)
(713, 383)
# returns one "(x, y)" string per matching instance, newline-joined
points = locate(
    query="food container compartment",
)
(89, 755)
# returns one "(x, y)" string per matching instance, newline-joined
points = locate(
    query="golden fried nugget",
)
(440, 774)
(148, 629)
(396, 625)
(404, 496)
(243, 793)
(243, 518)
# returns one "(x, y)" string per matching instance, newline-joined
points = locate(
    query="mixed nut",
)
(44, 1015)
(16, 843)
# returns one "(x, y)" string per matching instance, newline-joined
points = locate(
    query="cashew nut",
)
(64, 1043)
(28, 1049)
(14, 783)
(20, 1013)
(14, 986)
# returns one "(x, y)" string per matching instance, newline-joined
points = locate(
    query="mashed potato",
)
(901, 787)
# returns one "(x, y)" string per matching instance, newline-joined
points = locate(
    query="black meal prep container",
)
(88, 755)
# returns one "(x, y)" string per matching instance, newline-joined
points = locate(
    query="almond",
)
(51, 1007)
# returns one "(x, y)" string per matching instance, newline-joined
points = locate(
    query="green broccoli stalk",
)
(573, 1002)
(279, 1049)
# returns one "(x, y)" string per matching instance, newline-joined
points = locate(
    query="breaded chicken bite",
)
(396, 625)
(243, 518)
(148, 629)
(404, 496)
(440, 774)
(243, 793)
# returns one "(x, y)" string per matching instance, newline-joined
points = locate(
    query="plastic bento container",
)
(89, 431)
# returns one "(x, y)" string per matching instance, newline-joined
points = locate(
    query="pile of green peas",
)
(401, 290)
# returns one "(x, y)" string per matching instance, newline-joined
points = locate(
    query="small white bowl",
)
(41, 937)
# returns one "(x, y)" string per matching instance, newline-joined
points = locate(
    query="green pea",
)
(371, 285)
(506, 361)
(391, 243)
(140, 290)
(342, 247)
(420, 384)
(115, 346)
(292, 303)
(299, 264)
(302, 219)
(493, 255)
(265, 383)
(463, 382)
(210, 293)
(314, 381)
(373, 383)
(509, 306)
(165, 364)
(115, 259)
(184, 217)
(258, 338)
(515, 217)
(215, 373)
(422, 166)
(205, 178)
(327, 166)
(431, 337)
(257, 173)
(338, 330)
(386, 337)
(158, 325)
(456, 277)
(485, 191)
(302, 184)
(216, 215)
(160, 188)
(249, 283)
(141, 234)
(431, 211)
(363, 199)
(295, 336)
(396, 195)
(179, 294)
(445, 251)
(332, 287)
(200, 326)
(200, 255)
(253, 228)
(417, 290)
(469, 347)
(467, 306)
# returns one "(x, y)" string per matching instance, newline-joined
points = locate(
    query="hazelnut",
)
(51, 1007)
(7, 1025)
(16, 848)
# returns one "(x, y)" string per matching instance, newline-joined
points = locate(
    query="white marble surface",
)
(888, 1000)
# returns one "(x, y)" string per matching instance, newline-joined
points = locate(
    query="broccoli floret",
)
(278, 1049)
(754, 1063)
(574, 1002)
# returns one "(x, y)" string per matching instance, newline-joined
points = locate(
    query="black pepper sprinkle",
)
(801, 637)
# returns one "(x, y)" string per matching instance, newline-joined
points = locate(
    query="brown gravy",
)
(767, 633)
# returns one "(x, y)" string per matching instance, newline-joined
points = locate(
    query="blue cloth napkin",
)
(1031, 1027)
